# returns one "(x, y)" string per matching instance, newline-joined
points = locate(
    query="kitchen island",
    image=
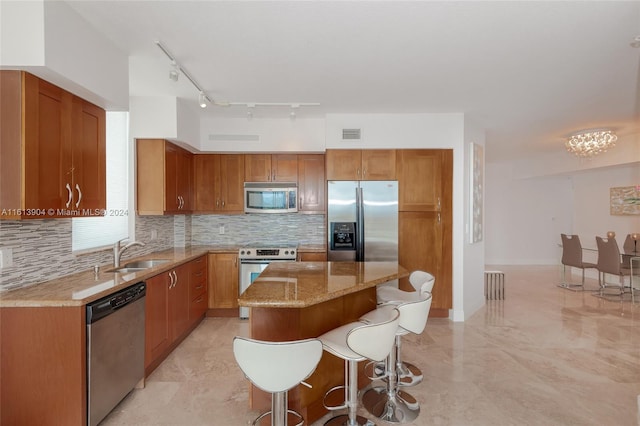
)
(300, 300)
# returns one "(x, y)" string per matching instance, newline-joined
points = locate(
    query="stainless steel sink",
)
(125, 270)
(145, 264)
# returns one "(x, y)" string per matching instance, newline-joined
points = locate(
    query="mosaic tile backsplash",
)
(42, 248)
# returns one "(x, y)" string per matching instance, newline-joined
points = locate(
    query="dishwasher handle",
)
(111, 303)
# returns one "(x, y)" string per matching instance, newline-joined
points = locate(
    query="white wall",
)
(525, 217)
(471, 261)
(272, 134)
(50, 40)
(153, 117)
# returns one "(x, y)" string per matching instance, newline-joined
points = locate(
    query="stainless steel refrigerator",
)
(362, 220)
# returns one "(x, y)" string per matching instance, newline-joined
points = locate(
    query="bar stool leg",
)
(388, 403)
(351, 393)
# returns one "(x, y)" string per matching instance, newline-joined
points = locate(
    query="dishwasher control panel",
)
(103, 307)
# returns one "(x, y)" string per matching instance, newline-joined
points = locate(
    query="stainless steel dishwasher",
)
(115, 349)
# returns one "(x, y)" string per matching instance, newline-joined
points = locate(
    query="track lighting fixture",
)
(204, 99)
(173, 72)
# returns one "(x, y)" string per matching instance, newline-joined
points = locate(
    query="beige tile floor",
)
(543, 356)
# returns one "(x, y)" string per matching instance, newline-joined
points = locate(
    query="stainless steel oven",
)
(254, 260)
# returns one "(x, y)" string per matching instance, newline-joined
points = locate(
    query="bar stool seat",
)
(355, 342)
(276, 367)
(408, 374)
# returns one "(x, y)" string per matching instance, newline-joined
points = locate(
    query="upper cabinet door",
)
(48, 149)
(257, 167)
(311, 183)
(231, 183)
(205, 193)
(343, 164)
(378, 164)
(284, 168)
(420, 179)
(89, 155)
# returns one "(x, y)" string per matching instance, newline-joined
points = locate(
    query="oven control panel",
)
(268, 253)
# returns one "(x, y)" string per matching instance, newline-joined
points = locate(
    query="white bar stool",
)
(276, 367)
(355, 342)
(387, 402)
(408, 374)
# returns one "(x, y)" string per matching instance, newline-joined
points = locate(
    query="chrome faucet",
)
(117, 251)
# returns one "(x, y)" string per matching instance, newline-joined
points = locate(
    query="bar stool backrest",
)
(422, 281)
(608, 256)
(374, 341)
(277, 366)
(414, 315)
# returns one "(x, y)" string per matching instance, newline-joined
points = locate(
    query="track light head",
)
(202, 100)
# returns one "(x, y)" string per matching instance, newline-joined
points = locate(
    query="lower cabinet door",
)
(156, 317)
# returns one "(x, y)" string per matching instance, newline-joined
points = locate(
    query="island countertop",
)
(303, 284)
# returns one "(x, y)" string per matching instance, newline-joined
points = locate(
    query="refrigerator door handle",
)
(359, 226)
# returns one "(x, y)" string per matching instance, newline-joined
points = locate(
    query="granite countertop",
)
(303, 284)
(84, 287)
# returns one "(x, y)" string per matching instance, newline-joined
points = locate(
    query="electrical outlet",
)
(221, 230)
(154, 234)
(6, 258)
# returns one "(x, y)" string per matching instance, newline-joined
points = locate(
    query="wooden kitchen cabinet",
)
(164, 175)
(223, 281)
(311, 183)
(312, 256)
(168, 312)
(43, 366)
(271, 168)
(52, 151)
(355, 164)
(198, 289)
(425, 181)
(219, 183)
(157, 329)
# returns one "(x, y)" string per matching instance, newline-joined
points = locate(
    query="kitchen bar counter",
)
(300, 300)
(303, 284)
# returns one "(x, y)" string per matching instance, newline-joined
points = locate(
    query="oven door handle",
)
(263, 262)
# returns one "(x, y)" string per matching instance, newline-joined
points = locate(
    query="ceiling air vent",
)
(351, 134)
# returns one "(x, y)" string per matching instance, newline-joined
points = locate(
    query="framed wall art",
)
(624, 200)
(476, 187)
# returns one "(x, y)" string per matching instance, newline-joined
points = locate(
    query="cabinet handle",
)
(218, 202)
(175, 275)
(79, 195)
(438, 206)
(364, 172)
(199, 299)
(273, 175)
(438, 218)
(70, 195)
(358, 172)
(170, 280)
(301, 201)
(181, 202)
(268, 176)
(199, 287)
(222, 203)
(235, 261)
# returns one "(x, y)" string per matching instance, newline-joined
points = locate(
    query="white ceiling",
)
(530, 73)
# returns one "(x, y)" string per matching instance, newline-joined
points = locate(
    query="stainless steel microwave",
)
(270, 197)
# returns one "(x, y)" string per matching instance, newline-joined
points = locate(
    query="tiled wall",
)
(42, 248)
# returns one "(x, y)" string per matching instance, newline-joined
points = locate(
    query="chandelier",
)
(591, 142)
